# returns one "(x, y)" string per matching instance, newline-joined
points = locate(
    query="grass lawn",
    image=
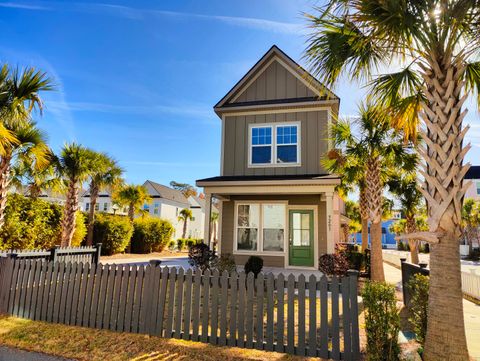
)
(91, 344)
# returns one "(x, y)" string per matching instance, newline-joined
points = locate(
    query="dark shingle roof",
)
(473, 172)
(168, 193)
(263, 177)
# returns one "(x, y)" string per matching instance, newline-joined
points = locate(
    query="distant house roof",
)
(473, 172)
(201, 203)
(165, 192)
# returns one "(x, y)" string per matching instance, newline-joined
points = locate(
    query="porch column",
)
(329, 212)
(208, 211)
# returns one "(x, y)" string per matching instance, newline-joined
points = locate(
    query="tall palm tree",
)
(30, 143)
(106, 174)
(435, 44)
(404, 187)
(75, 164)
(134, 197)
(185, 216)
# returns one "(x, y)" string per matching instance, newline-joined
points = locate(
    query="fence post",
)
(402, 266)
(148, 295)
(353, 280)
(54, 253)
(96, 255)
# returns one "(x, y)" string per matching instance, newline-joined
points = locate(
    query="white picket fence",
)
(471, 283)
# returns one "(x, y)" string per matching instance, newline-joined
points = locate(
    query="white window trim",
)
(274, 145)
(260, 230)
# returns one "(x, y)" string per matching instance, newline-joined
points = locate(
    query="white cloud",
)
(23, 6)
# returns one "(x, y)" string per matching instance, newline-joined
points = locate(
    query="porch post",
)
(329, 212)
(208, 211)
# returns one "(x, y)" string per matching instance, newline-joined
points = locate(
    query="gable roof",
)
(319, 91)
(473, 172)
(161, 191)
(201, 203)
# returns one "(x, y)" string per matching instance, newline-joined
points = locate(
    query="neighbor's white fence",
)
(471, 283)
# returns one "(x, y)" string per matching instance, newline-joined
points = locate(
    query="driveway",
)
(13, 354)
(179, 262)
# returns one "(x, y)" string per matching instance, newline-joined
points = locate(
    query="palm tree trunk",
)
(69, 214)
(363, 205)
(131, 212)
(91, 213)
(374, 196)
(184, 228)
(4, 183)
(444, 191)
(411, 227)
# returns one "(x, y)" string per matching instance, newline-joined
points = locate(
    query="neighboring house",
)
(388, 238)
(196, 226)
(473, 175)
(53, 197)
(104, 203)
(276, 199)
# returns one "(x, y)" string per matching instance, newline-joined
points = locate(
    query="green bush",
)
(200, 256)
(150, 235)
(418, 305)
(474, 255)
(171, 245)
(181, 243)
(382, 321)
(254, 264)
(114, 232)
(333, 264)
(80, 230)
(225, 262)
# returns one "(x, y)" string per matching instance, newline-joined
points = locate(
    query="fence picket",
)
(301, 316)
(196, 305)
(270, 312)
(9, 265)
(109, 296)
(85, 274)
(347, 341)
(223, 308)
(161, 306)
(214, 309)
(312, 318)
(92, 296)
(46, 291)
(27, 310)
(132, 281)
(335, 321)
(138, 299)
(280, 287)
(101, 296)
(171, 299)
(60, 299)
(76, 289)
(70, 291)
(354, 316)
(18, 286)
(232, 335)
(116, 297)
(13, 287)
(205, 306)
(179, 304)
(290, 314)
(188, 304)
(259, 301)
(40, 287)
(53, 291)
(242, 293)
(323, 318)
(249, 316)
(153, 306)
(123, 297)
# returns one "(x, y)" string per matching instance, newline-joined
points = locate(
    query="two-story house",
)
(277, 201)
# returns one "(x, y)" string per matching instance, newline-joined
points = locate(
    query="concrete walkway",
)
(13, 354)
(471, 313)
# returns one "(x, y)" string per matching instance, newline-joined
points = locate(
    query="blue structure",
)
(388, 239)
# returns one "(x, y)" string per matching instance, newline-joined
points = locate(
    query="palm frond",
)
(472, 79)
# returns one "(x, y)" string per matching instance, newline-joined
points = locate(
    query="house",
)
(473, 175)
(196, 226)
(104, 203)
(276, 200)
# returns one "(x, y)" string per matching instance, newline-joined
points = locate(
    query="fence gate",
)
(309, 317)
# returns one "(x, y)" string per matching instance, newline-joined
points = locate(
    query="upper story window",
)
(477, 183)
(274, 145)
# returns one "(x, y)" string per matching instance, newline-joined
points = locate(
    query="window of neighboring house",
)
(105, 206)
(275, 144)
(87, 206)
(478, 187)
(155, 211)
(261, 227)
(146, 208)
(97, 206)
(193, 218)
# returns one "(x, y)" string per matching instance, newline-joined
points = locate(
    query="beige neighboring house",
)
(276, 199)
(473, 175)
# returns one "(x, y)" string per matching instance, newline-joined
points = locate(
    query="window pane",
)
(286, 135)
(248, 215)
(287, 154)
(261, 155)
(273, 227)
(305, 238)
(247, 239)
(305, 221)
(297, 237)
(261, 136)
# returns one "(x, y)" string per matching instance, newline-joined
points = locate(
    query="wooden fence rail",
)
(58, 254)
(308, 317)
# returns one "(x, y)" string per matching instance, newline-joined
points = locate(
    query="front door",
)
(301, 239)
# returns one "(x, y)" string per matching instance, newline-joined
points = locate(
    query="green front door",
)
(301, 240)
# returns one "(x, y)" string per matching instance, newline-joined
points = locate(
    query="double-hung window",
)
(260, 227)
(274, 144)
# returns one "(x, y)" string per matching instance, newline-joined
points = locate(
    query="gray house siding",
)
(314, 143)
(228, 225)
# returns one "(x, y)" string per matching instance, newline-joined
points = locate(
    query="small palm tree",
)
(106, 174)
(75, 164)
(470, 220)
(214, 222)
(134, 197)
(185, 216)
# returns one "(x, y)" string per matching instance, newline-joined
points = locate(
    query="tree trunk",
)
(131, 212)
(444, 191)
(346, 232)
(374, 191)
(34, 191)
(4, 183)
(69, 214)
(184, 228)
(91, 213)
(411, 227)
(364, 213)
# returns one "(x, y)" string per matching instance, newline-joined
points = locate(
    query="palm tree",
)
(435, 44)
(75, 164)
(214, 222)
(352, 211)
(470, 220)
(106, 174)
(185, 216)
(134, 197)
(30, 143)
(404, 187)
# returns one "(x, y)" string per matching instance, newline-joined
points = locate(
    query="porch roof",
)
(323, 179)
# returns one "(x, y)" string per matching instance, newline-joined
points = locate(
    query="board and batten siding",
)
(274, 83)
(228, 225)
(313, 142)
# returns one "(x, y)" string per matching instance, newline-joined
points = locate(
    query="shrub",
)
(171, 245)
(382, 321)
(474, 255)
(418, 305)
(200, 256)
(150, 235)
(225, 262)
(80, 230)
(181, 243)
(333, 264)
(114, 232)
(254, 264)
(354, 258)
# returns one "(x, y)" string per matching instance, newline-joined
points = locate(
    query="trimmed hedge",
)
(150, 235)
(114, 232)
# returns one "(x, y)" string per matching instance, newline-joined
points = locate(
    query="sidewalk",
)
(13, 354)
(471, 312)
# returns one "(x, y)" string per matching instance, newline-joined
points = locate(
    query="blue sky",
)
(138, 79)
